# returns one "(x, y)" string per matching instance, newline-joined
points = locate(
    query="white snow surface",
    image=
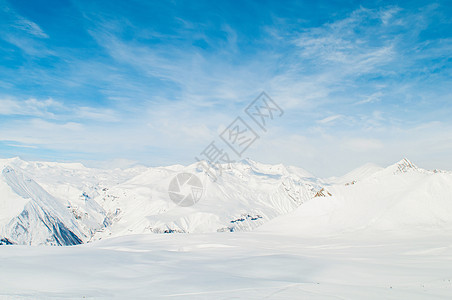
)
(240, 265)
(375, 233)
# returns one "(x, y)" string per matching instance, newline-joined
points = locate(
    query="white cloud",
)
(22, 146)
(18, 21)
(28, 45)
(52, 109)
(388, 15)
(29, 107)
(97, 114)
(329, 119)
(338, 44)
(375, 97)
(30, 27)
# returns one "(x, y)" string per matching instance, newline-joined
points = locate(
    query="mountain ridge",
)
(66, 204)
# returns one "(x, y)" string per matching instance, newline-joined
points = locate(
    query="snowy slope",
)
(56, 211)
(43, 219)
(399, 198)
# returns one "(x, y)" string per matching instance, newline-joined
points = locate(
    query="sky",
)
(115, 83)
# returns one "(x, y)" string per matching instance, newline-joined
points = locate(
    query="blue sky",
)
(111, 83)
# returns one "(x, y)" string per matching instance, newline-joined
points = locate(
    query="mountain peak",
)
(12, 161)
(405, 165)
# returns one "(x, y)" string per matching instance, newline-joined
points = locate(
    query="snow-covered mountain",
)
(66, 204)
(43, 218)
(401, 198)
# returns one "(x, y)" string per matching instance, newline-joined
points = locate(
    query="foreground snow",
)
(242, 265)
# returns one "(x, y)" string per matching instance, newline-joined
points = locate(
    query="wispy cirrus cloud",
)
(49, 109)
(29, 107)
(371, 98)
(29, 27)
(329, 119)
(19, 22)
(22, 32)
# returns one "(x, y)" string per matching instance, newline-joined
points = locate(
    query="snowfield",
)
(260, 232)
(241, 265)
